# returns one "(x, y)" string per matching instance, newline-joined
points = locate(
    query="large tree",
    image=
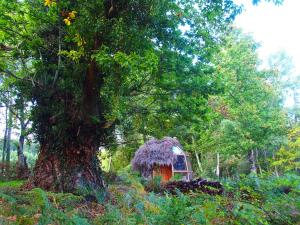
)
(247, 118)
(85, 62)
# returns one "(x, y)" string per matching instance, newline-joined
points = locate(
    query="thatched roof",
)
(154, 152)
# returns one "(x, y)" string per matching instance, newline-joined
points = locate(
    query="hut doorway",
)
(165, 171)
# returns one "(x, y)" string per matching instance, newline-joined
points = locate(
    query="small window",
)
(180, 163)
(177, 150)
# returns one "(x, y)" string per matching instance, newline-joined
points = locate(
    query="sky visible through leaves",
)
(275, 27)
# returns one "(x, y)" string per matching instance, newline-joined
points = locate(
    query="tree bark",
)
(253, 168)
(75, 169)
(4, 140)
(67, 160)
(69, 163)
(198, 162)
(218, 165)
(257, 161)
(197, 156)
(8, 139)
(276, 169)
(22, 167)
(266, 161)
(109, 162)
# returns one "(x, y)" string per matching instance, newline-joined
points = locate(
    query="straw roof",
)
(154, 152)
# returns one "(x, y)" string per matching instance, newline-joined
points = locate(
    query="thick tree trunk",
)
(75, 169)
(67, 160)
(73, 165)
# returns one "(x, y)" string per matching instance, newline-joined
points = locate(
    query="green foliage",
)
(275, 197)
(154, 184)
(12, 184)
(37, 206)
(152, 76)
(247, 200)
(288, 157)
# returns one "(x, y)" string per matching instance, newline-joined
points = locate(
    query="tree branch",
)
(5, 48)
(9, 73)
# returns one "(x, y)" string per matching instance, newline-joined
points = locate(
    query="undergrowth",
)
(248, 200)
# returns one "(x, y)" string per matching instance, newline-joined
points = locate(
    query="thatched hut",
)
(163, 158)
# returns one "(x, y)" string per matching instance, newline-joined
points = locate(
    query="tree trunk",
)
(252, 162)
(296, 104)
(198, 162)
(109, 162)
(4, 140)
(218, 165)
(71, 164)
(22, 167)
(257, 161)
(75, 169)
(276, 170)
(266, 164)
(8, 139)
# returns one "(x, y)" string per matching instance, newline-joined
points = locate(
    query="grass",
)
(249, 200)
(12, 184)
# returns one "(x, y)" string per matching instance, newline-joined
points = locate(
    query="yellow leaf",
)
(47, 3)
(67, 21)
(72, 14)
(50, 3)
(80, 41)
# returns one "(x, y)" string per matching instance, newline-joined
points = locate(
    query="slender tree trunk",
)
(253, 168)
(197, 156)
(22, 167)
(4, 140)
(257, 161)
(266, 160)
(109, 162)
(218, 165)
(276, 169)
(198, 162)
(8, 143)
(296, 103)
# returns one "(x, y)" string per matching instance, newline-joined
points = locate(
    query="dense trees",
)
(82, 76)
(87, 65)
(114, 73)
